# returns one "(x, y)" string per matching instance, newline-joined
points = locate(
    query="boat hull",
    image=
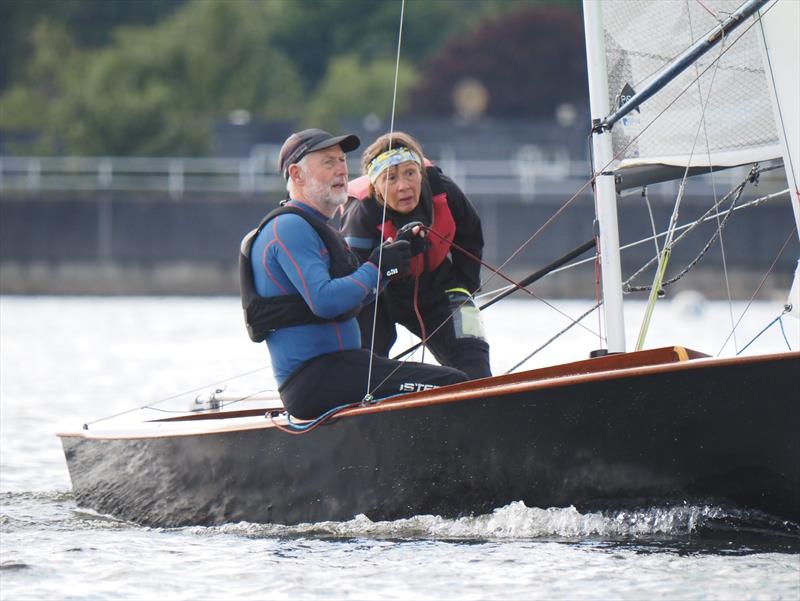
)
(715, 430)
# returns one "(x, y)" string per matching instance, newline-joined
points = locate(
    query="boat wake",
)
(516, 521)
(711, 525)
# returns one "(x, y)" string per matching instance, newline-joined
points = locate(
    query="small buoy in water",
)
(690, 303)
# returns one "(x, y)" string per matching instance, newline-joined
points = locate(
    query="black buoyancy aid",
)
(263, 314)
(439, 241)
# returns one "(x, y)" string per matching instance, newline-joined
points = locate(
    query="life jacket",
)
(438, 242)
(263, 314)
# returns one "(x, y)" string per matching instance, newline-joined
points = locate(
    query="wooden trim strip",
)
(634, 365)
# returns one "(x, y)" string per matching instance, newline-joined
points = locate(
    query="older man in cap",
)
(302, 288)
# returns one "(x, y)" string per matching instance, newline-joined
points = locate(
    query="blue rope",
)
(785, 339)
(768, 326)
(330, 413)
(321, 418)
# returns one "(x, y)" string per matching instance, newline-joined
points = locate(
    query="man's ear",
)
(295, 173)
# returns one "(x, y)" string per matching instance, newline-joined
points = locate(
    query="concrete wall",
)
(115, 243)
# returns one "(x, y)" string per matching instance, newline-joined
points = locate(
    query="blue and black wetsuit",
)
(317, 361)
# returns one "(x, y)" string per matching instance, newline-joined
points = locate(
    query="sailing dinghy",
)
(625, 428)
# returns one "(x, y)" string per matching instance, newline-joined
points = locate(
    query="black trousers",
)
(466, 353)
(335, 379)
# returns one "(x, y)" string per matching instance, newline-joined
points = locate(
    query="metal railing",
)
(178, 176)
(532, 173)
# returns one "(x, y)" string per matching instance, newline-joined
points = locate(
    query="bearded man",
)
(302, 288)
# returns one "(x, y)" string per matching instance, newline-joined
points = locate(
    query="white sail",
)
(781, 48)
(644, 36)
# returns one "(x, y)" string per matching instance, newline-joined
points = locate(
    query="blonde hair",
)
(398, 139)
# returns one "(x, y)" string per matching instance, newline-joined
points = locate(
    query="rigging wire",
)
(593, 177)
(502, 275)
(714, 63)
(708, 10)
(666, 250)
(587, 183)
(736, 193)
(575, 322)
(152, 404)
(495, 272)
(779, 320)
(668, 59)
(652, 219)
(706, 217)
(714, 188)
(557, 335)
(222, 403)
(758, 289)
(368, 395)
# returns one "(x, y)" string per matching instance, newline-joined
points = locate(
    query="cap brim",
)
(348, 143)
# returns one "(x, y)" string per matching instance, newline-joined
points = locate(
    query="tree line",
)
(150, 77)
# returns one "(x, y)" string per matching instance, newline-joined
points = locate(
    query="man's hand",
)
(396, 257)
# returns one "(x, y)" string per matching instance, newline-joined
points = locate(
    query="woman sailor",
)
(435, 300)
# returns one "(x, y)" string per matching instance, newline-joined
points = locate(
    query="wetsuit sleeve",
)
(359, 230)
(300, 253)
(469, 236)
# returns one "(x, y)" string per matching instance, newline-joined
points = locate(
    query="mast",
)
(605, 193)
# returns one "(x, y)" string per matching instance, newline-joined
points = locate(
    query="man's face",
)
(326, 178)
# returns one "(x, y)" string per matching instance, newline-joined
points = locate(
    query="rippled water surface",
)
(64, 361)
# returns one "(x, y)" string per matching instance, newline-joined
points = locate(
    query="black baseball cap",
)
(300, 143)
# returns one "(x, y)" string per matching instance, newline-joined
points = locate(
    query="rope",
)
(502, 275)
(748, 205)
(758, 289)
(450, 317)
(296, 429)
(666, 251)
(768, 326)
(591, 180)
(736, 193)
(714, 191)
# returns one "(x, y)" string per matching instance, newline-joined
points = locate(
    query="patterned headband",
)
(389, 158)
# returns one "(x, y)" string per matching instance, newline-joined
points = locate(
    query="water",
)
(64, 361)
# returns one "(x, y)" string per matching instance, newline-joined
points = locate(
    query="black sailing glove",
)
(395, 260)
(418, 242)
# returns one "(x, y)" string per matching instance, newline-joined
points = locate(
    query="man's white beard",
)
(325, 195)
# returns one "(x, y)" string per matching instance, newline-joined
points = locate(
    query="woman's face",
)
(400, 186)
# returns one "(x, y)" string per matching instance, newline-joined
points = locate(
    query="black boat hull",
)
(725, 431)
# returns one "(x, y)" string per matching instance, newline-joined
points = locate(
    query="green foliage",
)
(90, 22)
(89, 87)
(157, 91)
(31, 104)
(355, 88)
